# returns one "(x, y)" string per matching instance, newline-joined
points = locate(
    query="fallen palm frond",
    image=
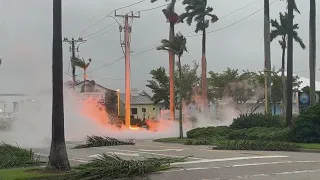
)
(111, 167)
(97, 141)
(15, 156)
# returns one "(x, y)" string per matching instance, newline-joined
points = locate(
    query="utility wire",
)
(109, 16)
(154, 47)
(225, 27)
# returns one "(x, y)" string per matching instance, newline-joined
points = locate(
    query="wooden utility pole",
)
(127, 32)
(289, 63)
(267, 58)
(312, 51)
(73, 43)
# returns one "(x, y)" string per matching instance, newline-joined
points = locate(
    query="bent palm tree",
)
(58, 157)
(198, 11)
(281, 30)
(172, 18)
(77, 62)
(177, 47)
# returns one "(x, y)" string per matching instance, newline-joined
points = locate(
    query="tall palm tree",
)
(77, 62)
(58, 157)
(172, 18)
(281, 30)
(312, 50)
(198, 10)
(177, 47)
(267, 53)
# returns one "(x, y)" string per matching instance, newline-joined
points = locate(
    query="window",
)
(144, 110)
(134, 111)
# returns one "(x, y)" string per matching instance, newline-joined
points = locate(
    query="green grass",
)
(26, 174)
(311, 146)
(172, 140)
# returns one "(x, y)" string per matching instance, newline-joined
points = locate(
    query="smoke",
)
(32, 126)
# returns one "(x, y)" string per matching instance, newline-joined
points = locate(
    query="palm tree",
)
(172, 18)
(267, 53)
(177, 47)
(58, 157)
(312, 50)
(77, 62)
(281, 30)
(198, 10)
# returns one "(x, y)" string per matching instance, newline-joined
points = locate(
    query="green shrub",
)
(97, 141)
(14, 156)
(256, 120)
(257, 145)
(209, 132)
(260, 133)
(306, 128)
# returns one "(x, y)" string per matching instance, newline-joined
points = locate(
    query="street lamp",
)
(118, 95)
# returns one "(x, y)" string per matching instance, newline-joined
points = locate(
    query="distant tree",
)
(77, 62)
(199, 11)
(111, 102)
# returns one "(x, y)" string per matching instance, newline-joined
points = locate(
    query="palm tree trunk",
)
(267, 54)
(283, 79)
(58, 157)
(289, 63)
(171, 74)
(84, 80)
(204, 72)
(180, 101)
(312, 51)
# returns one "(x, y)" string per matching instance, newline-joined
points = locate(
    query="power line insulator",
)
(129, 29)
(120, 28)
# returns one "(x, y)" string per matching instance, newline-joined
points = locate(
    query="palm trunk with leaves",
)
(204, 83)
(180, 100)
(171, 74)
(267, 57)
(283, 79)
(58, 157)
(312, 50)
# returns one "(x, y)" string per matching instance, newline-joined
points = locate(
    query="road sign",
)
(304, 99)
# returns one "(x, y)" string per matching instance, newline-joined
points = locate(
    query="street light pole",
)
(118, 97)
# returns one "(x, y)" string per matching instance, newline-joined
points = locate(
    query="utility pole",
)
(312, 51)
(73, 43)
(267, 58)
(127, 32)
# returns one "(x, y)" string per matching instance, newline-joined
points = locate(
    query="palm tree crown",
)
(177, 46)
(198, 10)
(282, 31)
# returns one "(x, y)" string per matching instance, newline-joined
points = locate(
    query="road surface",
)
(207, 164)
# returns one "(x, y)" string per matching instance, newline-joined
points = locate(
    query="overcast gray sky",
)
(26, 39)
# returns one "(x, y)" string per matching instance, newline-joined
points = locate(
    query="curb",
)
(309, 150)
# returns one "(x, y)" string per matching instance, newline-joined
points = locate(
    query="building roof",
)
(142, 98)
(69, 84)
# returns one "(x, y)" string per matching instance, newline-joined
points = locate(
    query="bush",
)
(97, 141)
(13, 156)
(256, 120)
(306, 128)
(200, 141)
(209, 132)
(257, 145)
(260, 133)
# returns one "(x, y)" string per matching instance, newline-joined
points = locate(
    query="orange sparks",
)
(135, 128)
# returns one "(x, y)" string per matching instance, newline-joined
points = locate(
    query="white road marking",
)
(227, 159)
(161, 150)
(116, 153)
(272, 174)
(239, 165)
(145, 153)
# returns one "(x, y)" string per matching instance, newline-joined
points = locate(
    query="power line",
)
(154, 47)
(109, 16)
(225, 27)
